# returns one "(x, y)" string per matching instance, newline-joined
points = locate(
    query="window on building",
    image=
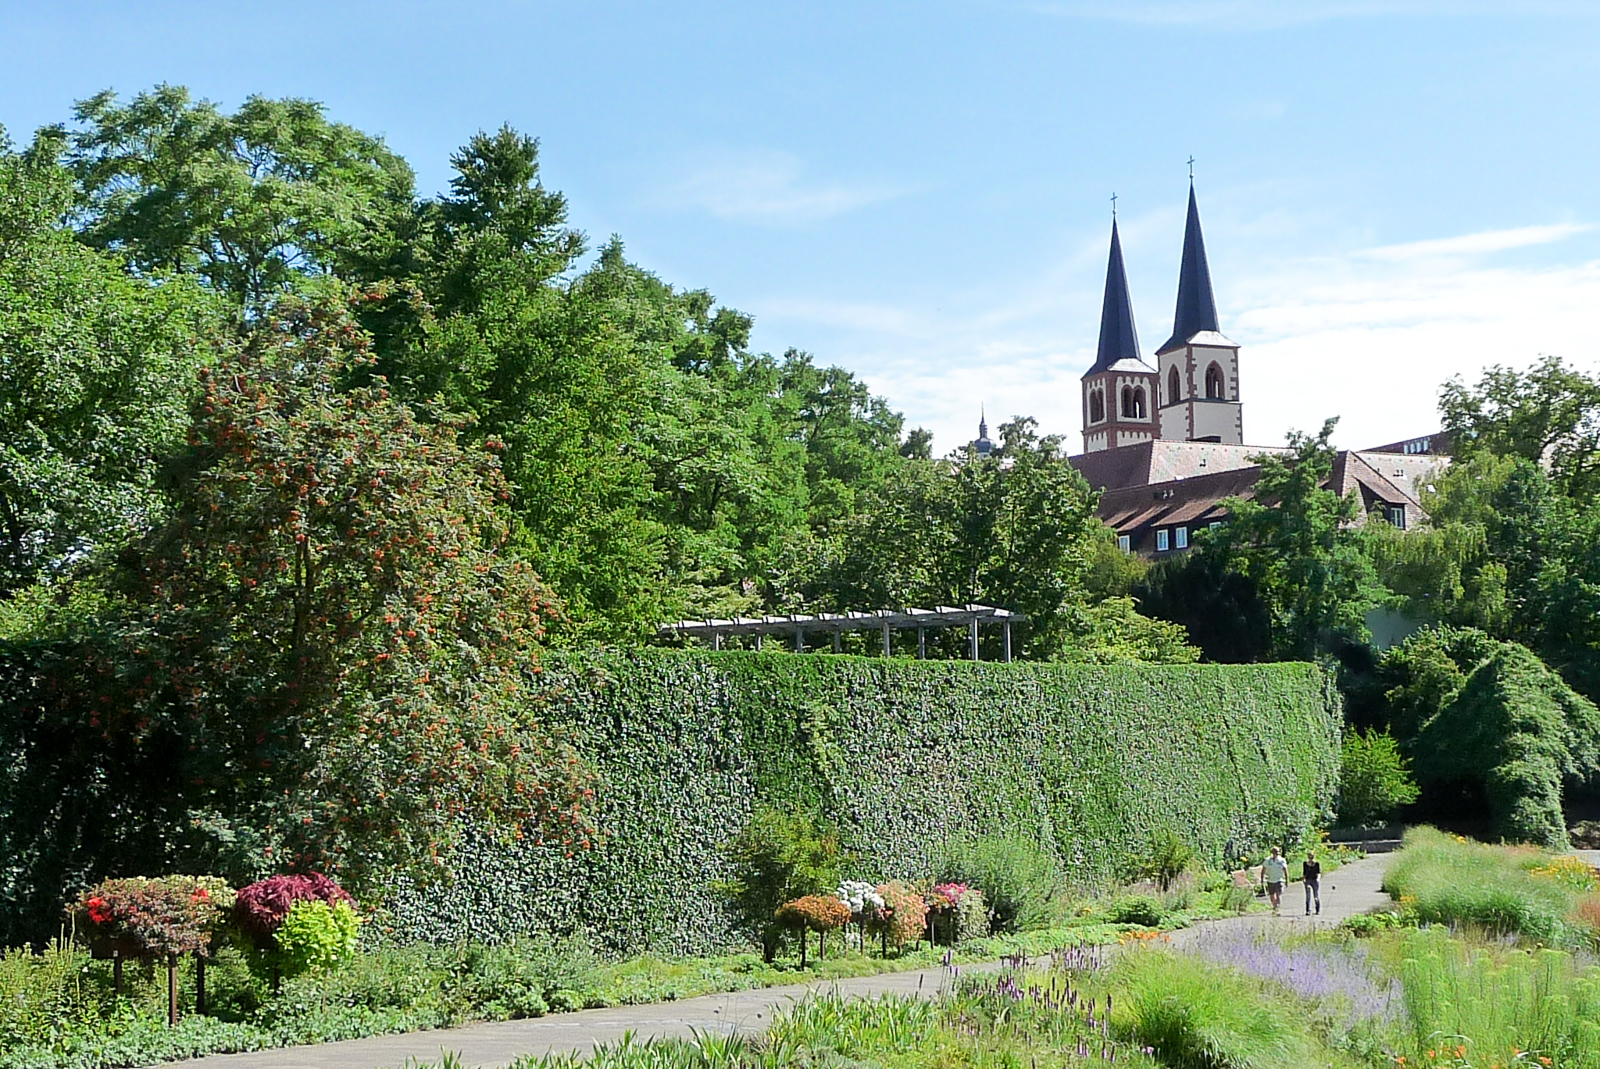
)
(1097, 406)
(1213, 525)
(1125, 543)
(1396, 515)
(1216, 387)
(1181, 536)
(1161, 540)
(1139, 410)
(1174, 392)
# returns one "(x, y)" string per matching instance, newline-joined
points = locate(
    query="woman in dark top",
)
(1312, 874)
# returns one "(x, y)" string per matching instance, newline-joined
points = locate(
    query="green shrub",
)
(1165, 859)
(1471, 709)
(777, 858)
(1137, 909)
(316, 936)
(1374, 779)
(1019, 878)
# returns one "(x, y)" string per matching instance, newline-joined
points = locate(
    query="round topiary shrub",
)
(296, 923)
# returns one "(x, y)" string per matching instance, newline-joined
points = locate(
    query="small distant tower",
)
(981, 444)
(1199, 368)
(1119, 391)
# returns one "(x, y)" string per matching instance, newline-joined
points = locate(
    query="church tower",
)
(1198, 367)
(1119, 391)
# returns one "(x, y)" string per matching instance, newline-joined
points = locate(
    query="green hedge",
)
(905, 756)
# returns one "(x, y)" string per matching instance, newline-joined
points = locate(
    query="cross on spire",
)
(1191, 170)
(1113, 206)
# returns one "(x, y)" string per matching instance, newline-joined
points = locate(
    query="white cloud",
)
(768, 187)
(1477, 244)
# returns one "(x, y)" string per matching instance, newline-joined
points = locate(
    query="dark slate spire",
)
(1118, 339)
(1197, 307)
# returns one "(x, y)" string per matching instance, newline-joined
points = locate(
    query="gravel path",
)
(1352, 889)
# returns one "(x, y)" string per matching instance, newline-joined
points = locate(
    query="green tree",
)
(99, 369)
(253, 203)
(1374, 778)
(1297, 543)
(1014, 529)
(1549, 414)
(329, 619)
(777, 857)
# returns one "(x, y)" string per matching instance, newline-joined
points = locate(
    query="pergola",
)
(797, 625)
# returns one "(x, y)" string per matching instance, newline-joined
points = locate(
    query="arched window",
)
(1174, 393)
(1216, 389)
(1097, 406)
(1127, 402)
(1138, 404)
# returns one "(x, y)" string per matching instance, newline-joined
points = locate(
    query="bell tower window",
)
(1174, 391)
(1216, 389)
(1138, 403)
(1097, 406)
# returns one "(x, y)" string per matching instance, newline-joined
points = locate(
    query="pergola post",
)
(1008, 641)
(799, 641)
(759, 636)
(836, 635)
(922, 644)
(716, 640)
(886, 634)
(972, 634)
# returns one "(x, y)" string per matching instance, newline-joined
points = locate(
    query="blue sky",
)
(1392, 193)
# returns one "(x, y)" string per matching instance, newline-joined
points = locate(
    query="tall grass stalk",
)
(1444, 879)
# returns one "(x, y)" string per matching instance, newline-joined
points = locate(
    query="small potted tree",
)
(294, 924)
(152, 918)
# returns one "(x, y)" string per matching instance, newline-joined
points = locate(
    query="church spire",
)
(1197, 307)
(1118, 339)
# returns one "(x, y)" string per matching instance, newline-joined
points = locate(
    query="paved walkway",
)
(1352, 889)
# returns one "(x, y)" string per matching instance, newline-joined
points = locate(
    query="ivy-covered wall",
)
(904, 756)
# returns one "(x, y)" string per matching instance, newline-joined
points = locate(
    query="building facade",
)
(1164, 442)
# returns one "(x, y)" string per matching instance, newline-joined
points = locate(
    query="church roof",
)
(1119, 341)
(1197, 306)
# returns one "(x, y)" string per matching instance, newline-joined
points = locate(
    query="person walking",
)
(1311, 873)
(1275, 873)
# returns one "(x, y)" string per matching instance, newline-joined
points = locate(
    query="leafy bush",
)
(1021, 879)
(315, 935)
(779, 857)
(904, 916)
(1471, 709)
(815, 913)
(1137, 909)
(1165, 859)
(1374, 778)
(147, 916)
(261, 912)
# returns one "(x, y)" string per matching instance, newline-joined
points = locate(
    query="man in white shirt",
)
(1275, 873)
